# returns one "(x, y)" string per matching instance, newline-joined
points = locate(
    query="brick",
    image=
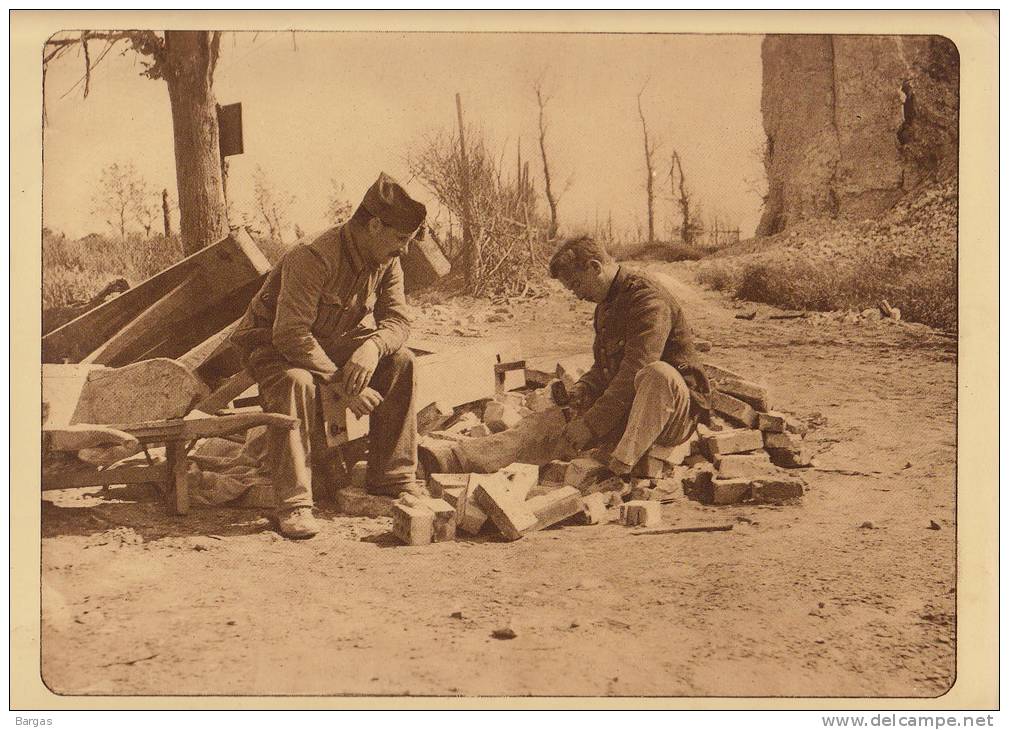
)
(554, 507)
(743, 466)
(509, 515)
(773, 422)
(444, 515)
(697, 482)
(727, 491)
(673, 455)
(583, 472)
(694, 460)
(539, 400)
(554, 472)
(438, 483)
(790, 441)
(734, 409)
(641, 512)
(735, 441)
(594, 508)
(753, 393)
(649, 467)
(521, 478)
(479, 431)
(412, 525)
(777, 490)
(790, 459)
(433, 416)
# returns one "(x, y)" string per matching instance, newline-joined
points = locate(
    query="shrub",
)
(719, 277)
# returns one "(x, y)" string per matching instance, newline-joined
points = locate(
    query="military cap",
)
(391, 204)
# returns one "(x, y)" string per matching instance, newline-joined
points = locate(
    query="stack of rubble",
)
(749, 451)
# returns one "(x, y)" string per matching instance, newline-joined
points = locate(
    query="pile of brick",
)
(523, 498)
(749, 452)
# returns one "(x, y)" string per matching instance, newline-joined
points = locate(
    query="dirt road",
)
(795, 601)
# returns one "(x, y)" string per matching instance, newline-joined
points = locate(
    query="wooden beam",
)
(230, 265)
(72, 476)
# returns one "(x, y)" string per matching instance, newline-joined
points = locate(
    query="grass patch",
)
(924, 290)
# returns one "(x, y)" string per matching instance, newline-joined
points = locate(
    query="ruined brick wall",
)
(854, 122)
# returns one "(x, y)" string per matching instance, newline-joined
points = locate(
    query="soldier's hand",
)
(365, 402)
(356, 374)
(576, 437)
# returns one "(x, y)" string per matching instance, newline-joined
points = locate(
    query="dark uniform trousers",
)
(293, 391)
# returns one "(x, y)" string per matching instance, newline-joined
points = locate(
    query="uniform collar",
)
(616, 285)
(352, 247)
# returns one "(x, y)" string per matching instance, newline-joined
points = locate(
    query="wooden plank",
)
(230, 389)
(230, 264)
(177, 489)
(72, 476)
(151, 320)
(182, 429)
(83, 436)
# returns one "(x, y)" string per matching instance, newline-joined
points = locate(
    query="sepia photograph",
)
(394, 360)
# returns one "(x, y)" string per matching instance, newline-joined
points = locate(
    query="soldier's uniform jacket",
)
(639, 322)
(320, 297)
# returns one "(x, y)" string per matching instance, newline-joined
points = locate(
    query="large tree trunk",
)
(189, 62)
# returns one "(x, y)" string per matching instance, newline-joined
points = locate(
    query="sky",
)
(322, 106)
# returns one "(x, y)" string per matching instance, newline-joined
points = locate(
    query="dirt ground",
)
(797, 600)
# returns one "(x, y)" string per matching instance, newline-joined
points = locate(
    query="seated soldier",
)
(645, 387)
(333, 314)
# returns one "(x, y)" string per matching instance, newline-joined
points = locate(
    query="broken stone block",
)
(479, 431)
(594, 508)
(776, 489)
(412, 525)
(716, 373)
(437, 484)
(698, 480)
(554, 507)
(734, 409)
(695, 459)
(521, 478)
(554, 472)
(570, 369)
(790, 458)
(539, 400)
(433, 416)
(753, 393)
(649, 467)
(734, 441)
(727, 491)
(148, 390)
(782, 441)
(743, 466)
(702, 345)
(509, 515)
(583, 472)
(469, 517)
(641, 513)
(501, 416)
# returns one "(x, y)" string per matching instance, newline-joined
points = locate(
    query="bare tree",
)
(272, 207)
(339, 208)
(651, 146)
(186, 60)
(541, 101)
(122, 197)
(689, 218)
(509, 239)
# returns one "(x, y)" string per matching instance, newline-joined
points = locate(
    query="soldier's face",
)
(386, 242)
(584, 283)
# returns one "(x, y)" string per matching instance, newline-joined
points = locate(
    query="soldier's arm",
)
(391, 314)
(302, 278)
(649, 321)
